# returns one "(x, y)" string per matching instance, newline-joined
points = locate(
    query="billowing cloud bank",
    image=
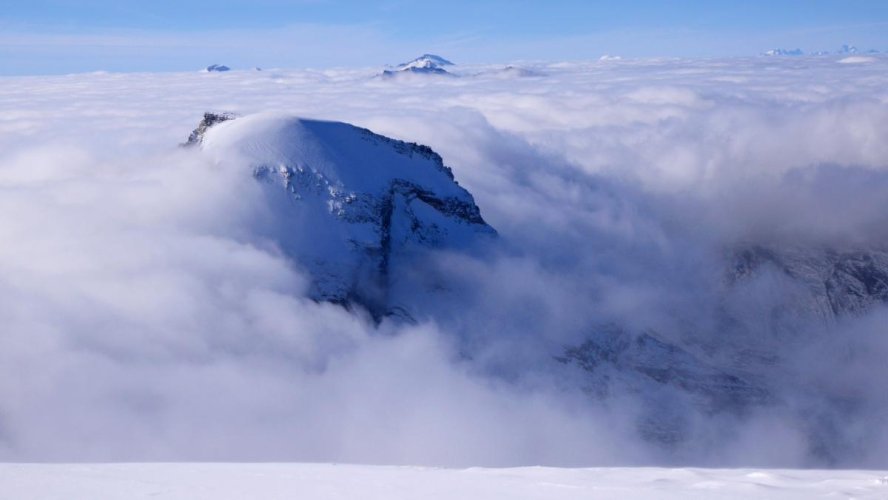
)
(148, 315)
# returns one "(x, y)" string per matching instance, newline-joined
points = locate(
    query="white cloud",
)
(147, 314)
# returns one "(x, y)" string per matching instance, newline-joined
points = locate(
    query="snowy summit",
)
(425, 64)
(426, 60)
(784, 52)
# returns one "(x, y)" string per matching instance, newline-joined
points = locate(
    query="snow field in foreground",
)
(194, 481)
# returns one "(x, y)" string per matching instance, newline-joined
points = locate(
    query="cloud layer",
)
(148, 316)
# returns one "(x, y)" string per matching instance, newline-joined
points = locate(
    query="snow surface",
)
(239, 481)
(344, 155)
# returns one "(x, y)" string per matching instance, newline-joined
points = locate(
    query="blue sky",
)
(55, 36)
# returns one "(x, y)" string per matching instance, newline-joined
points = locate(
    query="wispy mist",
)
(148, 312)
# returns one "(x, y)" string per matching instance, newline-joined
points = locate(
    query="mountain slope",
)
(353, 206)
(776, 302)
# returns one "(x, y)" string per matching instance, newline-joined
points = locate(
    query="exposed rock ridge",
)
(209, 119)
(836, 283)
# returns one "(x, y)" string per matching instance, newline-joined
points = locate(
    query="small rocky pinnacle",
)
(209, 119)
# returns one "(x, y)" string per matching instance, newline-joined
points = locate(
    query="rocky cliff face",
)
(671, 380)
(358, 205)
(611, 352)
(831, 284)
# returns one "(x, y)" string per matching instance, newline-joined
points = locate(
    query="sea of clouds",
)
(146, 313)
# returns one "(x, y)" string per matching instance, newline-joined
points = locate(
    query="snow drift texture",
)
(688, 267)
(234, 481)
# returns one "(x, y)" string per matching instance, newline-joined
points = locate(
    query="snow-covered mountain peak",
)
(426, 60)
(352, 207)
(426, 64)
(346, 155)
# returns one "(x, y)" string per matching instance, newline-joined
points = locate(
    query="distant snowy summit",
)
(851, 50)
(844, 50)
(426, 64)
(357, 211)
(216, 68)
(425, 60)
(784, 52)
